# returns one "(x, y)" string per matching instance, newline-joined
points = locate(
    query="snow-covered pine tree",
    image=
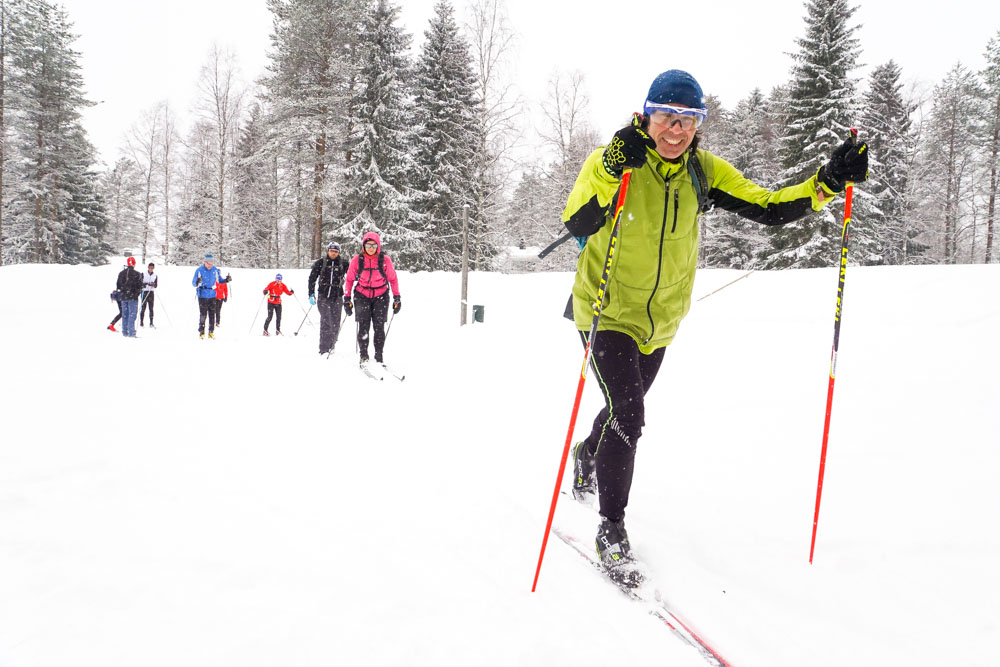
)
(46, 128)
(86, 241)
(196, 231)
(253, 194)
(121, 188)
(946, 191)
(991, 88)
(313, 70)
(879, 225)
(531, 220)
(447, 148)
(821, 105)
(744, 137)
(378, 195)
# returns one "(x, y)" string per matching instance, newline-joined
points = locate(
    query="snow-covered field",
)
(244, 502)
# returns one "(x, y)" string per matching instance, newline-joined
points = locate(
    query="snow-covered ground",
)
(172, 501)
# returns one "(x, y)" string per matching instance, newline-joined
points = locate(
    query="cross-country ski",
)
(496, 333)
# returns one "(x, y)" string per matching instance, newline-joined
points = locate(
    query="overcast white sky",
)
(137, 52)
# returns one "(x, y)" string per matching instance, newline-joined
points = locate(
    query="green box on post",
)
(477, 313)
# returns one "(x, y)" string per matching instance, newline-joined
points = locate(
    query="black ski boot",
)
(616, 555)
(584, 474)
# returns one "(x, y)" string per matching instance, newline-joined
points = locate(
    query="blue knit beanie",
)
(676, 87)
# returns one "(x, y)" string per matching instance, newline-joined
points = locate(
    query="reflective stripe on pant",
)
(624, 375)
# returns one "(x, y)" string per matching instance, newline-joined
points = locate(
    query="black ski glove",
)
(849, 162)
(627, 148)
(396, 305)
(348, 306)
(229, 278)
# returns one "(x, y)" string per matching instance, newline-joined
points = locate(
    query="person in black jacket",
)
(129, 286)
(325, 296)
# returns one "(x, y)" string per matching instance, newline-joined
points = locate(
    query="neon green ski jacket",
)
(652, 273)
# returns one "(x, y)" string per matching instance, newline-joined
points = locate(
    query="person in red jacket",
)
(274, 290)
(221, 296)
(374, 274)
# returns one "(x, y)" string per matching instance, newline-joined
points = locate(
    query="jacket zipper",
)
(677, 195)
(659, 258)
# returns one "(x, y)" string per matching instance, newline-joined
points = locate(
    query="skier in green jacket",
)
(652, 275)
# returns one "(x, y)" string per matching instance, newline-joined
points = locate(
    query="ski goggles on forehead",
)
(668, 114)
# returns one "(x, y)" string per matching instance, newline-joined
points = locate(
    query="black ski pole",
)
(303, 320)
(555, 244)
(294, 296)
(388, 327)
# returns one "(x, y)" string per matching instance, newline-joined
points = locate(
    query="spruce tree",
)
(378, 193)
(880, 233)
(821, 105)
(446, 149)
(195, 229)
(46, 223)
(744, 137)
(253, 233)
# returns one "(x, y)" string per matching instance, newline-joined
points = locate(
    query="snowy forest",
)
(351, 131)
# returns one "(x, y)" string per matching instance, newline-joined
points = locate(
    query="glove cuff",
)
(829, 181)
(613, 170)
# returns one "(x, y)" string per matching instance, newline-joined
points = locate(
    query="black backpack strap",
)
(380, 265)
(700, 182)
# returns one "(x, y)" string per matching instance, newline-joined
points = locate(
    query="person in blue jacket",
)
(206, 278)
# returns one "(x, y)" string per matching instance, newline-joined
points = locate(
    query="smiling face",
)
(668, 132)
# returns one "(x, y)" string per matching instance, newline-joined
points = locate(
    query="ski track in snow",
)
(245, 501)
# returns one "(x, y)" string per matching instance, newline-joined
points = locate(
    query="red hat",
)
(130, 261)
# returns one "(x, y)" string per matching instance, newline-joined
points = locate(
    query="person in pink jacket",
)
(373, 271)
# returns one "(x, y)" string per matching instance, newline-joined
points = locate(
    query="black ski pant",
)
(273, 310)
(218, 312)
(206, 308)
(147, 300)
(118, 316)
(371, 312)
(329, 321)
(624, 375)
